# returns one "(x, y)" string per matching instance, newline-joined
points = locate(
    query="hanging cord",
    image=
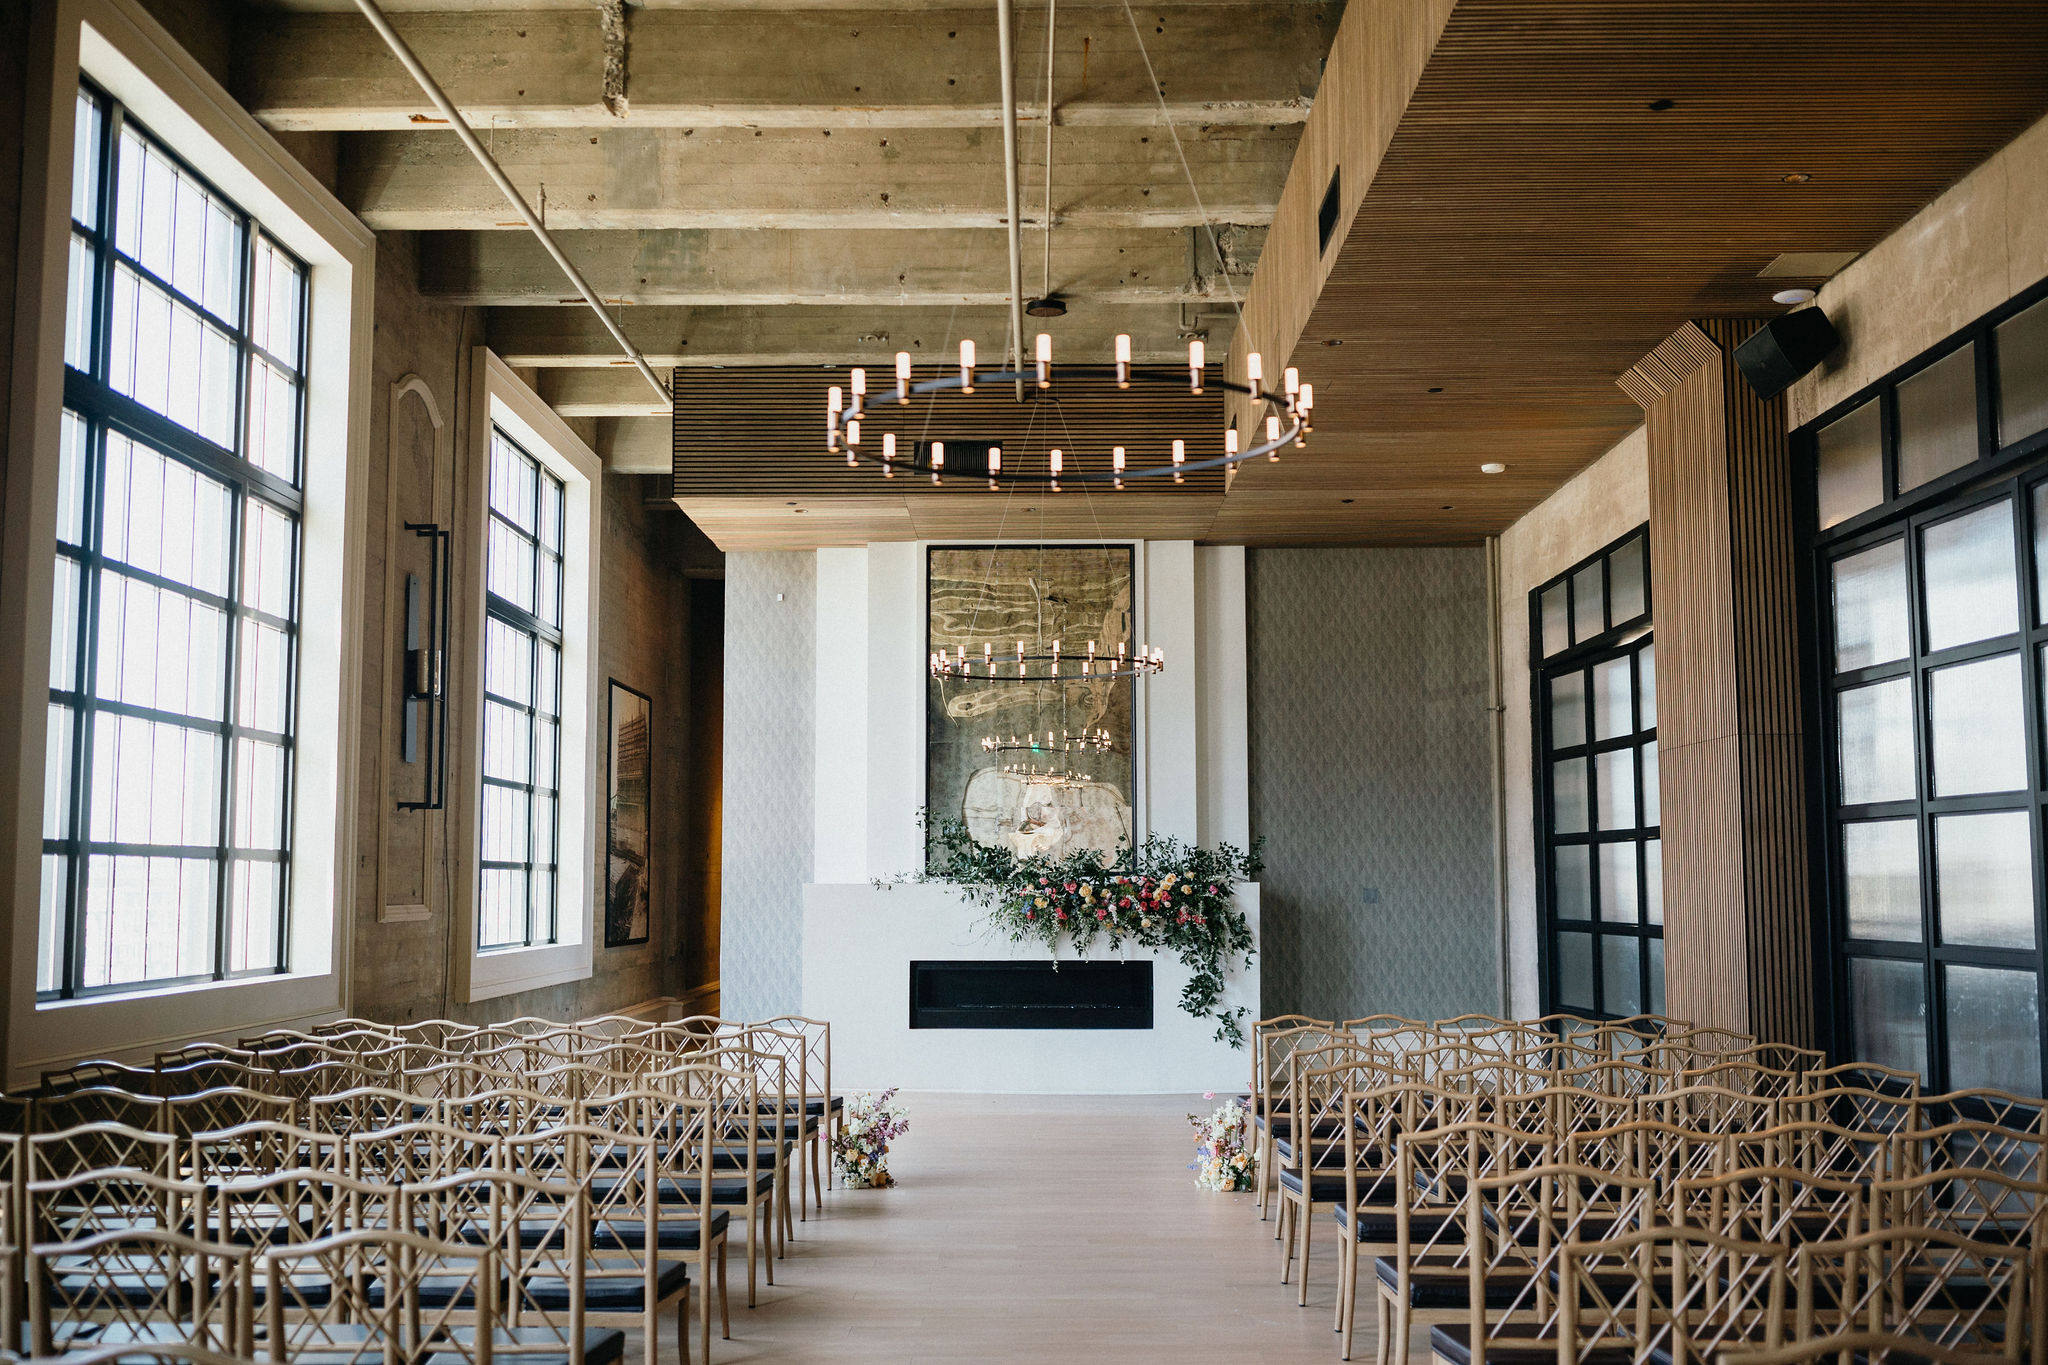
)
(1045, 283)
(1187, 171)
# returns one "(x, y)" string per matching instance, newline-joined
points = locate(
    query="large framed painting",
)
(1035, 767)
(628, 898)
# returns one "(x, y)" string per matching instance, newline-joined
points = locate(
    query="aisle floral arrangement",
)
(860, 1149)
(1224, 1160)
(1163, 894)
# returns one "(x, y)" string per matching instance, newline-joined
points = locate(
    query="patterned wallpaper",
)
(770, 690)
(1371, 781)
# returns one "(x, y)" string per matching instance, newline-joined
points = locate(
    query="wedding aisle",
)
(1039, 1228)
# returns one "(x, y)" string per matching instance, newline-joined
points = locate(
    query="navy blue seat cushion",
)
(1453, 1342)
(601, 1346)
(85, 1289)
(454, 1290)
(734, 1157)
(1376, 1223)
(1436, 1282)
(608, 1294)
(671, 1234)
(1328, 1186)
(733, 1189)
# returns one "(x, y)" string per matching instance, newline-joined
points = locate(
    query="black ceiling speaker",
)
(1784, 349)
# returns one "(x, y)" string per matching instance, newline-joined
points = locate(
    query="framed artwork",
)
(1043, 767)
(628, 896)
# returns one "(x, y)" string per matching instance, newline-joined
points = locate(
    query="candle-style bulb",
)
(1197, 358)
(1255, 374)
(903, 377)
(1290, 381)
(853, 432)
(938, 460)
(835, 404)
(1044, 361)
(1273, 437)
(967, 366)
(1123, 360)
(1230, 443)
(888, 454)
(860, 384)
(1180, 457)
(1059, 464)
(995, 464)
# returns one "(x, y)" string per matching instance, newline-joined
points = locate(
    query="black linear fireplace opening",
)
(1031, 995)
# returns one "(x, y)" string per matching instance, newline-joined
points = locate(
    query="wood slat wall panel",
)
(1738, 906)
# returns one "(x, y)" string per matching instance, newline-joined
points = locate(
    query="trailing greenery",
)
(1163, 894)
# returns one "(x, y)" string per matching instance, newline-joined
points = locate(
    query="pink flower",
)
(1213, 891)
(1208, 1094)
(1071, 888)
(1030, 914)
(1125, 902)
(1062, 916)
(1041, 881)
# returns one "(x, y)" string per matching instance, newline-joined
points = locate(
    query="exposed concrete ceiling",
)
(818, 182)
(804, 183)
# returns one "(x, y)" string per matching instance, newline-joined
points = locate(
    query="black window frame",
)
(1617, 639)
(90, 397)
(2000, 471)
(540, 631)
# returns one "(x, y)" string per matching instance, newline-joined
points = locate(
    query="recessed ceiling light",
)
(1347, 501)
(1659, 106)
(1798, 178)
(1438, 389)
(1792, 296)
(1493, 467)
(1448, 507)
(1333, 341)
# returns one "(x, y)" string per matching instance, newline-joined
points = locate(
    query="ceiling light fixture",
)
(1798, 178)
(1793, 296)
(1493, 467)
(1025, 667)
(1287, 415)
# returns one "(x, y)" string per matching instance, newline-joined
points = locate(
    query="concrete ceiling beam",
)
(614, 391)
(782, 178)
(883, 268)
(748, 66)
(546, 338)
(636, 445)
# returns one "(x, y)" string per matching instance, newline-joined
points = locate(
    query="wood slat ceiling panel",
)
(761, 431)
(1534, 227)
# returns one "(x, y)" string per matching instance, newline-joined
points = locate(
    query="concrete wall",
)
(1371, 781)
(1609, 497)
(400, 969)
(770, 683)
(1982, 241)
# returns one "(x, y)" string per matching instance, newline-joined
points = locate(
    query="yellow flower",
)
(1040, 902)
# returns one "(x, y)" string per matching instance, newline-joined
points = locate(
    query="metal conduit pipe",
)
(1007, 52)
(462, 130)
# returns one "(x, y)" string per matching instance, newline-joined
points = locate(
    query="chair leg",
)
(724, 1304)
(753, 1245)
(683, 1329)
(1280, 1225)
(1347, 1268)
(767, 1231)
(1306, 1218)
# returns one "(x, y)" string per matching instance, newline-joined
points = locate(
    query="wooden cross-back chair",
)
(98, 1147)
(1816, 1148)
(261, 1148)
(2019, 1153)
(822, 1103)
(1774, 1204)
(1416, 1250)
(1674, 1294)
(1516, 1225)
(1270, 1119)
(628, 1280)
(684, 1132)
(1347, 1115)
(1931, 1283)
(747, 1176)
(140, 1284)
(1867, 1348)
(135, 1080)
(88, 1105)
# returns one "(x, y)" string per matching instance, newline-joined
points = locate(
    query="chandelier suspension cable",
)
(1051, 14)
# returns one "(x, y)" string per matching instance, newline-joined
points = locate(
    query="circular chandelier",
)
(1087, 742)
(1287, 419)
(1028, 667)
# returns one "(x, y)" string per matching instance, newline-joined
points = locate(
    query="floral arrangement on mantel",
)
(860, 1149)
(1164, 894)
(1224, 1161)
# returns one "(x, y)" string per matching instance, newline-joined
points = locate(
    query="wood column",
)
(1737, 895)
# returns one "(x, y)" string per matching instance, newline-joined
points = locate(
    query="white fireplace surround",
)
(859, 942)
(869, 785)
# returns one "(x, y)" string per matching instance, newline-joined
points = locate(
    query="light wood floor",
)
(1038, 1228)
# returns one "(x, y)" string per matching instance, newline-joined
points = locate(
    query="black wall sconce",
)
(426, 646)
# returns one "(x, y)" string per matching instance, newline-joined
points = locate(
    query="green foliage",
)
(1162, 894)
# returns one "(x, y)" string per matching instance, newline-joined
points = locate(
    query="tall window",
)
(522, 701)
(1600, 858)
(1931, 569)
(168, 779)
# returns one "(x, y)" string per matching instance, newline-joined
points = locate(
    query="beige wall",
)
(1982, 241)
(1609, 497)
